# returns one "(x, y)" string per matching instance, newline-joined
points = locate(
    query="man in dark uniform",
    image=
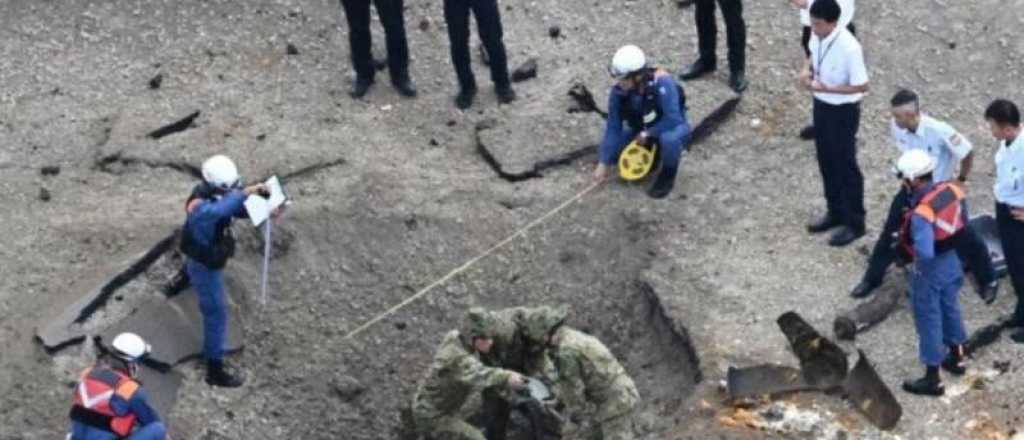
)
(736, 36)
(647, 106)
(926, 238)
(109, 401)
(357, 12)
(207, 242)
(488, 24)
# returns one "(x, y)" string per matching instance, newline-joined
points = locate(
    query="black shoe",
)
(845, 236)
(989, 292)
(698, 69)
(403, 84)
(807, 133)
(218, 376)
(663, 184)
(924, 387)
(360, 87)
(863, 289)
(826, 222)
(465, 97)
(738, 81)
(505, 94)
(954, 364)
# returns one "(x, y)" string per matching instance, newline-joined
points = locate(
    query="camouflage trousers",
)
(616, 413)
(448, 428)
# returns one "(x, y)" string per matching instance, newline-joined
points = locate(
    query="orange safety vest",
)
(92, 400)
(943, 208)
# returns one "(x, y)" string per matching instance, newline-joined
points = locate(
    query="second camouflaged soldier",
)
(513, 350)
(454, 375)
(589, 373)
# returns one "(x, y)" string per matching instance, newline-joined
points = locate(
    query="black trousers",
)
(488, 25)
(835, 138)
(1011, 235)
(805, 37)
(357, 12)
(735, 32)
(968, 245)
(496, 412)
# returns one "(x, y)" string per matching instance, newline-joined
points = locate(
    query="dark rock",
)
(401, 325)
(292, 50)
(44, 194)
(525, 71)
(50, 170)
(424, 25)
(584, 100)
(1001, 366)
(773, 414)
(433, 142)
(684, 3)
(554, 31)
(380, 64)
(261, 137)
(175, 127)
(347, 388)
(450, 123)
(156, 81)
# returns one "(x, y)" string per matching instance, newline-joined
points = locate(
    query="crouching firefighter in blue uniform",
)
(926, 237)
(109, 402)
(207, 241)
(648, 106)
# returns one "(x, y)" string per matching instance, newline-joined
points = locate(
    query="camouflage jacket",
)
(588, 372)
(455, 373)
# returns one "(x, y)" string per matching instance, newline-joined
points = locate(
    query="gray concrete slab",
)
(174, 327)
(162, 389)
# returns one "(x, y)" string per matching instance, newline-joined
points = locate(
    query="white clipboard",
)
(259, 208)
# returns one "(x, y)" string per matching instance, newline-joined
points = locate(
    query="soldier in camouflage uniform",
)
(588, 372)
(515, 351)
(456, 372)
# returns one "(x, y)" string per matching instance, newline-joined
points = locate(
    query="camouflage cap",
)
(480, 323)
(538, 323)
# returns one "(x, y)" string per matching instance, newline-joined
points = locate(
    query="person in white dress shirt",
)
(911, 129)
(847, 9)
(836, 76)
(1003, 119)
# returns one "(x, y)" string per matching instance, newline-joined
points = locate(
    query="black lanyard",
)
(822, 55)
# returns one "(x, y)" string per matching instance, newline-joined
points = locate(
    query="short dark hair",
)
(1003, 112)
(903, 97)
(827, 10)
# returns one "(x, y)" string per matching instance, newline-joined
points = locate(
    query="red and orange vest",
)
(943, 208)
(92, 400)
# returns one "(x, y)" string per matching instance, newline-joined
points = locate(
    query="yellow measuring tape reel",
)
(636, 161)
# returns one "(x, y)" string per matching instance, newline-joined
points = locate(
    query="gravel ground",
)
(402, 198)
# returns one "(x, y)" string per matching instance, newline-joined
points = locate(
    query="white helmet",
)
(628, 59)
(129, 347)
(220, 172)
(913, 164)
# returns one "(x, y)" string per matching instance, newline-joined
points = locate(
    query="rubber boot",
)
(218, 376)
(663, 183)
(954, 362)
(929, 385)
